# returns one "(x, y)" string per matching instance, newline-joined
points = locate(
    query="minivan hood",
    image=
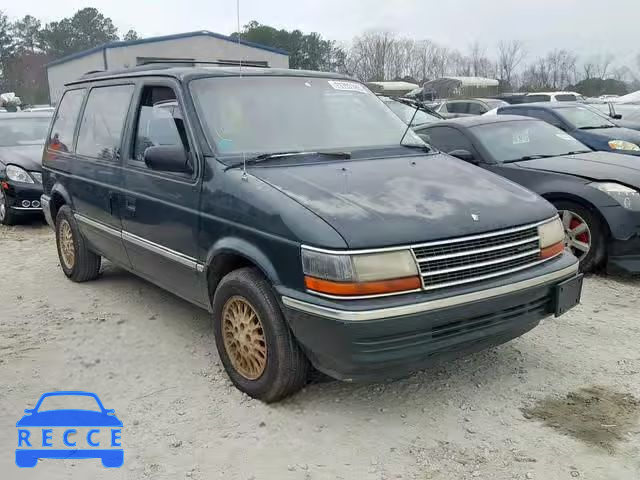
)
(28, 157)
(406, 200)
(592, 165)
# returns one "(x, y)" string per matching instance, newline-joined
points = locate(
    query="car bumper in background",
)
(389, 342)
(23, 198)
(45, 201)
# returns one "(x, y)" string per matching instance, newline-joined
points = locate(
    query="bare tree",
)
(510, 56)
(370, 55)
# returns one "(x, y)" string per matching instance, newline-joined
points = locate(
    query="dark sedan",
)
(590, 128)
(21, 139)
(597, 193)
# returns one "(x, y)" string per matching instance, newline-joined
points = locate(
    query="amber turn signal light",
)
(552, 250)
(345, 289)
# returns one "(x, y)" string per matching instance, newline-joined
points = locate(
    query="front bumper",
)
(21, 198)
(623, 248)
(372, 344)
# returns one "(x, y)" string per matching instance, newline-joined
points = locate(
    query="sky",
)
(587, 27)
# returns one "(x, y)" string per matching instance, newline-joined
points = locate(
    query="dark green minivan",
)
(299, 210)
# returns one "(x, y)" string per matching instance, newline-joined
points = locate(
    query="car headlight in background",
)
(623, 145)
(360, 274)
(18, 174)
(551, 238)
(625, 196)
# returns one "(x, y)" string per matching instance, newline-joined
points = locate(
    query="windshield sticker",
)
(520, 137)
(564, 136)
(347, 86)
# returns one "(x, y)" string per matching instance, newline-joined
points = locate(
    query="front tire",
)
(257, 349)
(77, 261)
(585, 234)
(7, 217)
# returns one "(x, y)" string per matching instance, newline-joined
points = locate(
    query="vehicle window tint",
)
(64, 125)
(448, 139)
(458, 107)
(566, 98)
(538, 98)
(103, 121)
(477, 108)
(160, 121)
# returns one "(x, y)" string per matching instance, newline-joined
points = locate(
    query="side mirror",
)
(465, 155)
(616, 116)
(168, 158)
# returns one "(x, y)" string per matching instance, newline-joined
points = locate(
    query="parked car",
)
(22, 136)
(553, 97)
(468, 107)
(596, 193)
(326, 235)
(626, 116)
(411, 111)
(595, 131)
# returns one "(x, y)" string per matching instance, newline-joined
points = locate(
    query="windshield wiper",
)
(276, 155)
(575, 152)
(531, 157)
(417, 146)
(595, 127)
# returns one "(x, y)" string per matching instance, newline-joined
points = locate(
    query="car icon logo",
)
(69, 433)
(476, 217)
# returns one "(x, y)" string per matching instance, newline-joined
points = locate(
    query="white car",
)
(554, 97)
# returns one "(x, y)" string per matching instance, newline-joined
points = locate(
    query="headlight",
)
(360, 274)
(623, 145)
(551, 238)
(625, 196)
(18, 174)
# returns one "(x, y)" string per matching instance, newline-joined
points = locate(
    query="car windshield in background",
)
(583, 118)
(294, 114)
(405, 112)
(23, 131)
(520, 140)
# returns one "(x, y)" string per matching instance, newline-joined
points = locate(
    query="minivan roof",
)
(187, 73)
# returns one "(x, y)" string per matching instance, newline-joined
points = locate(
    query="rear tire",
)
(77, 261)
(257, 349)
(572, 215)
(7, 217)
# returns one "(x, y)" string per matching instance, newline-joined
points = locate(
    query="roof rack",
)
(224, 63)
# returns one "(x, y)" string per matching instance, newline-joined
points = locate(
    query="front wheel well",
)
(57, 201)
(558, 197)
(223, 264)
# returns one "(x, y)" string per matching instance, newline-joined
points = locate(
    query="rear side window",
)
(458, 107)
(477, 109)
(566, 98)
(61, 137)
(103, 121)
(538, 98)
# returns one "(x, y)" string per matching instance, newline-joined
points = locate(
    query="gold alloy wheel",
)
(66, 244)
(244, 338)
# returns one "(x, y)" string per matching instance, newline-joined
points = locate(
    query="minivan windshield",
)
(268, 114)
(524, 140)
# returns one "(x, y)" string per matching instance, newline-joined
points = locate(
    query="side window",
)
(448, 139)
(477, 108)
(102, 122)
(160, 122)
(64, 125)
(458, 107)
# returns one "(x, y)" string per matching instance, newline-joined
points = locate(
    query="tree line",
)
(27, 45)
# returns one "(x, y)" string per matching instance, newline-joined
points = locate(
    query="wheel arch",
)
(569, 197)
(231, 253)
(59, 197)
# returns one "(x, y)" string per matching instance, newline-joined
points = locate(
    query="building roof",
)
(177, 36)
(188, 73)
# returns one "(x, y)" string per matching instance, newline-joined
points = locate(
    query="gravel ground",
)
(558, 403)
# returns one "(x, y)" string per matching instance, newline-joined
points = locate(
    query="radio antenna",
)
(244, 156)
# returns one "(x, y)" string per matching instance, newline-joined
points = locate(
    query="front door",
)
(160, 208)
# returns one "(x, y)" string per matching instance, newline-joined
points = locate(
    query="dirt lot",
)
(558, 403)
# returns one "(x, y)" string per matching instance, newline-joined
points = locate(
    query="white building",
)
(184, 47)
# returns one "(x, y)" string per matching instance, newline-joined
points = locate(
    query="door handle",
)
(113, 202)
(130, 204)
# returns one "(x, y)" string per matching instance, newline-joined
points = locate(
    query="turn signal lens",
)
(344, 289)
(552, 251)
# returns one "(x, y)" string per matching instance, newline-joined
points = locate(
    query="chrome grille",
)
(464, 260)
